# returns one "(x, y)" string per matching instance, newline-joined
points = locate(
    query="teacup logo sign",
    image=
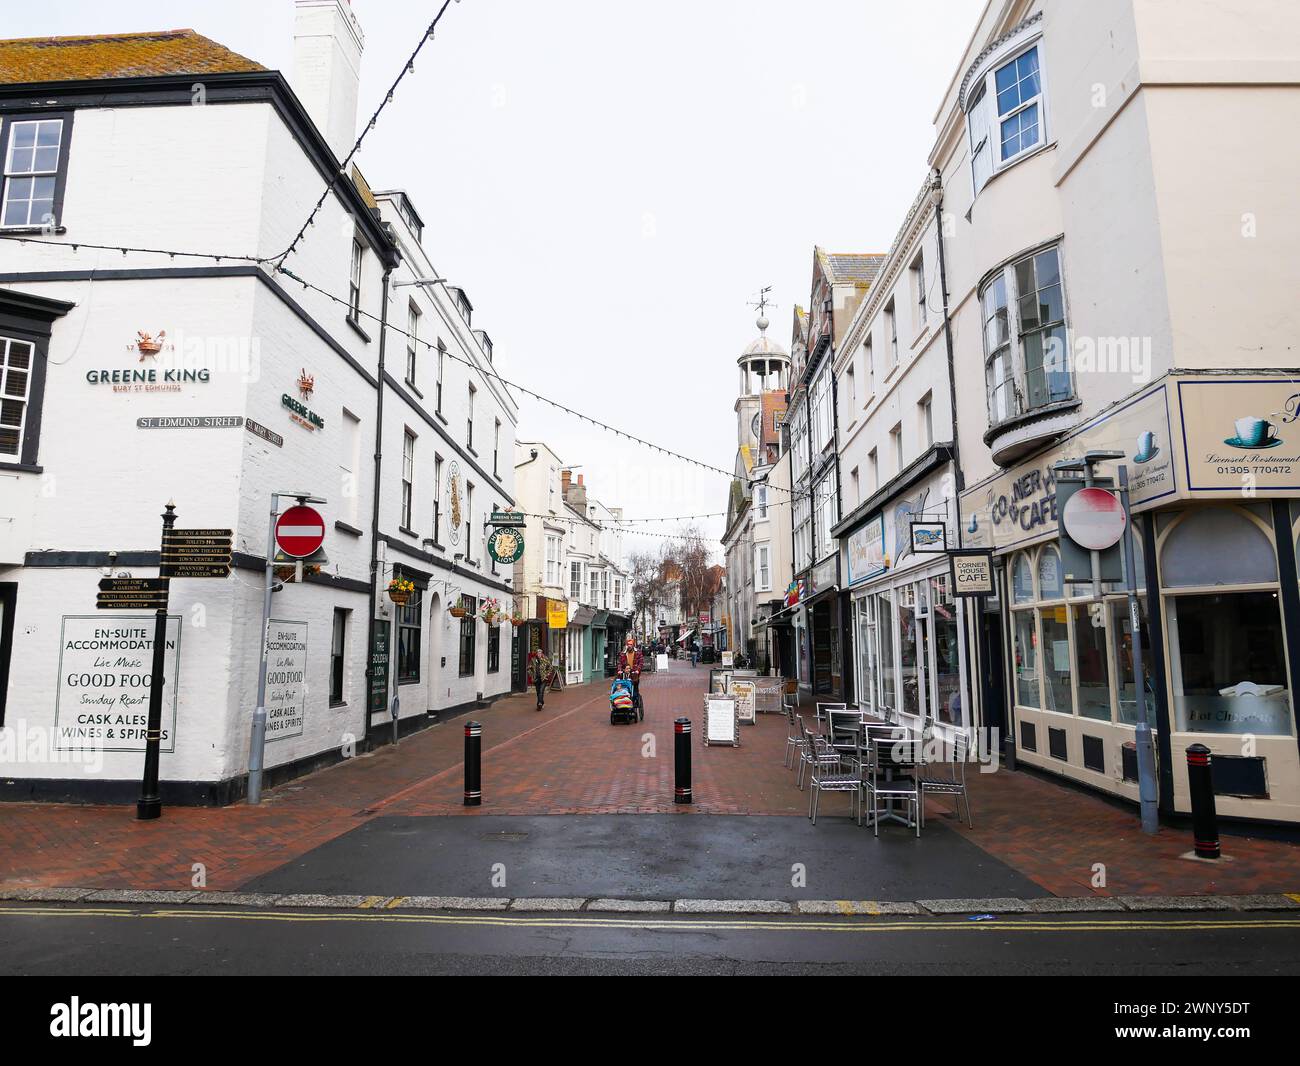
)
(298, 409)
(1147, 449)
(1253, 432)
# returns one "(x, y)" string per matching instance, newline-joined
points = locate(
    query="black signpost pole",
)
(149, 806)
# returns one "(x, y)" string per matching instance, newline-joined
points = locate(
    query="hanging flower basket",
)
(516, 620)
(490, 610)
(457, 611)
(400, 590)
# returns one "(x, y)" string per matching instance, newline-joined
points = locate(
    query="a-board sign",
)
(720, 725)
(720, 681)
(661, 663)
(744, 691)
(728, 658)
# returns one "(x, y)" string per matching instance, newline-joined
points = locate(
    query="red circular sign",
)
(1094, 519)
(300, 531)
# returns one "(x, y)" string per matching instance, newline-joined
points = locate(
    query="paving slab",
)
(850, 907)
(1264, 902)
(1074, 904)
(237, 899)
(975, 906)
(310, 899)
(1175, 903)
(545, 904)
(132, 895)
(448, 903)
(731, 906)
(631, 906)
(46, 895)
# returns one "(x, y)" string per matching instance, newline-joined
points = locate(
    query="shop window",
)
(1229, 668)
(1056, 656)
(1090, 664)
(1022, 580)
(947, 653)
(888, 676)
(1024, 651)
(1121, 630)
(1217, 546)
(868, 663)
(494, 649)
(1050, 585)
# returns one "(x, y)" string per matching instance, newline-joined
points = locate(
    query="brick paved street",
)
(568, 760)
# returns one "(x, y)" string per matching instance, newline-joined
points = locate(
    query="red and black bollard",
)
(682, 761)
(1205, 821)
(473, 764)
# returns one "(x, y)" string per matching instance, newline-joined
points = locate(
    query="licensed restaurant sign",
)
(1240, 432)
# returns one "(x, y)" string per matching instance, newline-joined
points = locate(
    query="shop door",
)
(914, 648)
(992, 672)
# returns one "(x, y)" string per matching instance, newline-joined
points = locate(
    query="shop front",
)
(1214, 466)
(826, 620)
(908, 622)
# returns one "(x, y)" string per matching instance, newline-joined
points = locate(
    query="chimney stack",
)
(327, 47)
(566, 478)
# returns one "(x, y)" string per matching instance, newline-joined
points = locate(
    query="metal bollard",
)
(473, 764)
(682, 761)
(1205, 821)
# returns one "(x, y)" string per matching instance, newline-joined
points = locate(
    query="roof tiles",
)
(126, 55)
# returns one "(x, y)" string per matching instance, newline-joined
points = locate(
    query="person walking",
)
(630, 664)
(539, 673)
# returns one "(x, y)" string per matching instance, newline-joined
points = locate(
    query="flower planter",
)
(457, 612)
(399, 598)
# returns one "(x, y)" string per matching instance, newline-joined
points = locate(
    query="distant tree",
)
(647, 586)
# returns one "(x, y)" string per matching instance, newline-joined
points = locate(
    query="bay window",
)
(1005, 114)
(1026, 355)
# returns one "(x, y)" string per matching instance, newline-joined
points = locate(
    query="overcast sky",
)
(613, 182)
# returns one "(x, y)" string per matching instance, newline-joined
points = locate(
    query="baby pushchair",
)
(624, 701)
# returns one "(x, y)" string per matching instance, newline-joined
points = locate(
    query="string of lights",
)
(172, 253)
(492, 372)
(408, 68)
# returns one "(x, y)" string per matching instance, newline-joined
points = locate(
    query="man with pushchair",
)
(630, 663)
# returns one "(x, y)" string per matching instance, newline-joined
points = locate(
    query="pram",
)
(624, 702)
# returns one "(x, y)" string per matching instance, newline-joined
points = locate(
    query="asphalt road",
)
(91, 940)
(650, 856)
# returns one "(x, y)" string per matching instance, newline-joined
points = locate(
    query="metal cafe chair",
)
(793, 738)
(842, 775)
(842, 724)
(816, 751)
(948, 777)
(894, 777)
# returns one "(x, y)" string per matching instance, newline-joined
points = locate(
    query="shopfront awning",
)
(686, 636)
(601, 621)
(584, 617)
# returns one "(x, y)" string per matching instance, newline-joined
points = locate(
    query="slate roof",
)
(124, 55)
(844, 268)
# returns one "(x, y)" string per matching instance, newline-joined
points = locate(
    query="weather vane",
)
(762, 302)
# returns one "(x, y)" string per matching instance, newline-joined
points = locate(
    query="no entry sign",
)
(1093, 519)
(300, 531)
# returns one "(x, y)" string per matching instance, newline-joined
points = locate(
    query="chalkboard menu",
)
(744, 692)
(379, 669)
(720, 725)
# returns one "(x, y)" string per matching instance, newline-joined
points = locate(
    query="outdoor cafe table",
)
(897, 732)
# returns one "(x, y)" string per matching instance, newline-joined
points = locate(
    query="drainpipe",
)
(959, 479)
(375, 575)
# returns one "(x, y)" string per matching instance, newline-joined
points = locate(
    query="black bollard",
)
(1205, 821)
(473, 764)
(682, 761)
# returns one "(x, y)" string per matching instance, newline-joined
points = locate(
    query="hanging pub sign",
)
(972, 573)
(929, 536)
(506, 545)
(507, 518)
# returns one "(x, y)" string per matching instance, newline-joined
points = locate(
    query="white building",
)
(261, 384)
(1115, 240)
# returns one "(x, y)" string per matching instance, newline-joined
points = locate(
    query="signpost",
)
(132, 594)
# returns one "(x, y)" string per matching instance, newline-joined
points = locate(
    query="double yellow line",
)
(860, 925)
